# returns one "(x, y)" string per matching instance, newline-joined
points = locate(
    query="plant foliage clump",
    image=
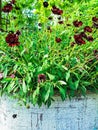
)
(48, 48)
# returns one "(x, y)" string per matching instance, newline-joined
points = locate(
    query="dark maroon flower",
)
(7, 8)
(60, 12)
(58, 39)
(77, 23)
(82, 34)
(79, 40)
(90, 38)
(41, 78)
(61, 22)
(87, 29)
(56, 10)
(12, 39)
(95, 22)
(95, 19)
(14, 44)
(18, 32)
(45, 4)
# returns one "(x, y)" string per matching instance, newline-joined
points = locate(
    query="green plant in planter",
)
(60, 57)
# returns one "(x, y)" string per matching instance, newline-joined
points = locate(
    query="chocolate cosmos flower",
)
(56, 10)
(61, 22)
(18, 32)
(95, 22)
(87, 29)
(41, 78)
(90, 38)
(7, 8)
(58, 40)
(77, 23)
(12, 39)
(82, 34)
(45, 4)
(95, 19)
(79, 40)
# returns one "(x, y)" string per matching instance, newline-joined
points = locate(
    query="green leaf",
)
(83, 89)
(85, 83)
(5, 80)
(62, 93)
(76, 84)
(49, 102)
(73, 85)
(24, 86)
(62, 82)
(11, 86)
(67, 75)
(47, 94)
(5, 72)
(51, 77)
(35, 95)
(65, 68)
(51, 91)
